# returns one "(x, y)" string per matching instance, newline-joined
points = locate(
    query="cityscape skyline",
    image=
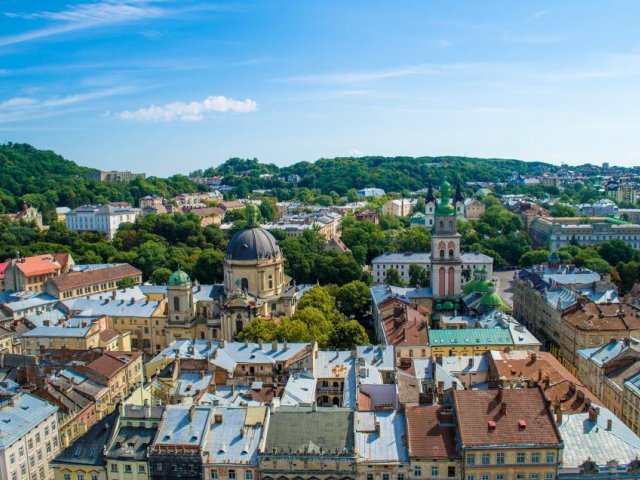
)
(167, 87)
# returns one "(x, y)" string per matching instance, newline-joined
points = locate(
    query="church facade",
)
(446, 262)
(254, 285)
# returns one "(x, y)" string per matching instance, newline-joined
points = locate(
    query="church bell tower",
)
(446, 263)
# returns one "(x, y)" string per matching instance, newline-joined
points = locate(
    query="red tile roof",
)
(430, 432)
(590, 316)
(476, 408)
(3, 266)
(71, 280)
(403, 324)
(108, 335)
(111, 363)
(364, 402)
(558, 384)
(38, 265)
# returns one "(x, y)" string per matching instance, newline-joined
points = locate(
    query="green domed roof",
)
(179, 278)
(491, 300)
(444, 208)
(477, 286)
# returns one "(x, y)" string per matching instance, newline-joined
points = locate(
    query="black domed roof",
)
(252, 243)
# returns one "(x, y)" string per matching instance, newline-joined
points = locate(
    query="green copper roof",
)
(179, 278)
(477, 286)
(491, 300)
(470, 336)
(445, 209)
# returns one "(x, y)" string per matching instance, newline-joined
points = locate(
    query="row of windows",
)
(385, 476)
(35, 476)
(521, 458)
(128, 468)
(435, 471)
(80, 476)
(519, 476)
(231, 474)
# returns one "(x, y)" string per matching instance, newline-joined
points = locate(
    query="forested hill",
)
(394, 174)
(46, 180)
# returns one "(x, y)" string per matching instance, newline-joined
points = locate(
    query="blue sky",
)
(170, 86)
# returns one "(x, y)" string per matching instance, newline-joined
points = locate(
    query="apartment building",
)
(105, 219)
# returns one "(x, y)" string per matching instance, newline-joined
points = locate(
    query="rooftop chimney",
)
(609, 424)
(558, 415)
(593, 414)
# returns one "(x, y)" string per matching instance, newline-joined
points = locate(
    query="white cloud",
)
(354, 152)
(17, 102)
(539, 14)
(190, 112)
(26, 108)
(534, 39)
(83, 16)
(373, 75)
(442, 43)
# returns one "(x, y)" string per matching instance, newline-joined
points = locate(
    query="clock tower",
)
(446, 263)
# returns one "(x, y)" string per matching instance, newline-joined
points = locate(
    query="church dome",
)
(477, 285)
(252, 243)
(178, 279)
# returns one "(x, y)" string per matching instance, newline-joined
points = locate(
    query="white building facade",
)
(101, 218)
(29, 440)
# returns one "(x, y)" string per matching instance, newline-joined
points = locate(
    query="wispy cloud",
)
(83, 16)
(442, 43)
(534, 39)
(373, 75)
(191, 111)
(539, 14)
(26, 108)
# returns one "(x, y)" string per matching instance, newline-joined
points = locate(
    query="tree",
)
(258, 330)
(534, 257)
(268, 210)
(629, 273)
(560, 210)
(348, 335)
(354, 299)
(208, 268)
(616, 251)
(414, 240)
(320, 298)
(151, 255)
(292, 330)
(126, 282)
(598, 265)
(418, 276)
(393, 278)
(160, 276)
(318, 324)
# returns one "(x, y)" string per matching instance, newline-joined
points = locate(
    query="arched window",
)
(245, 284)
(176, 303)
(442, 253)
(239, 324)
(451, 253)
(441, 224)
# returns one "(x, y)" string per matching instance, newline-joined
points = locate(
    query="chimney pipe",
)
(609, 424)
